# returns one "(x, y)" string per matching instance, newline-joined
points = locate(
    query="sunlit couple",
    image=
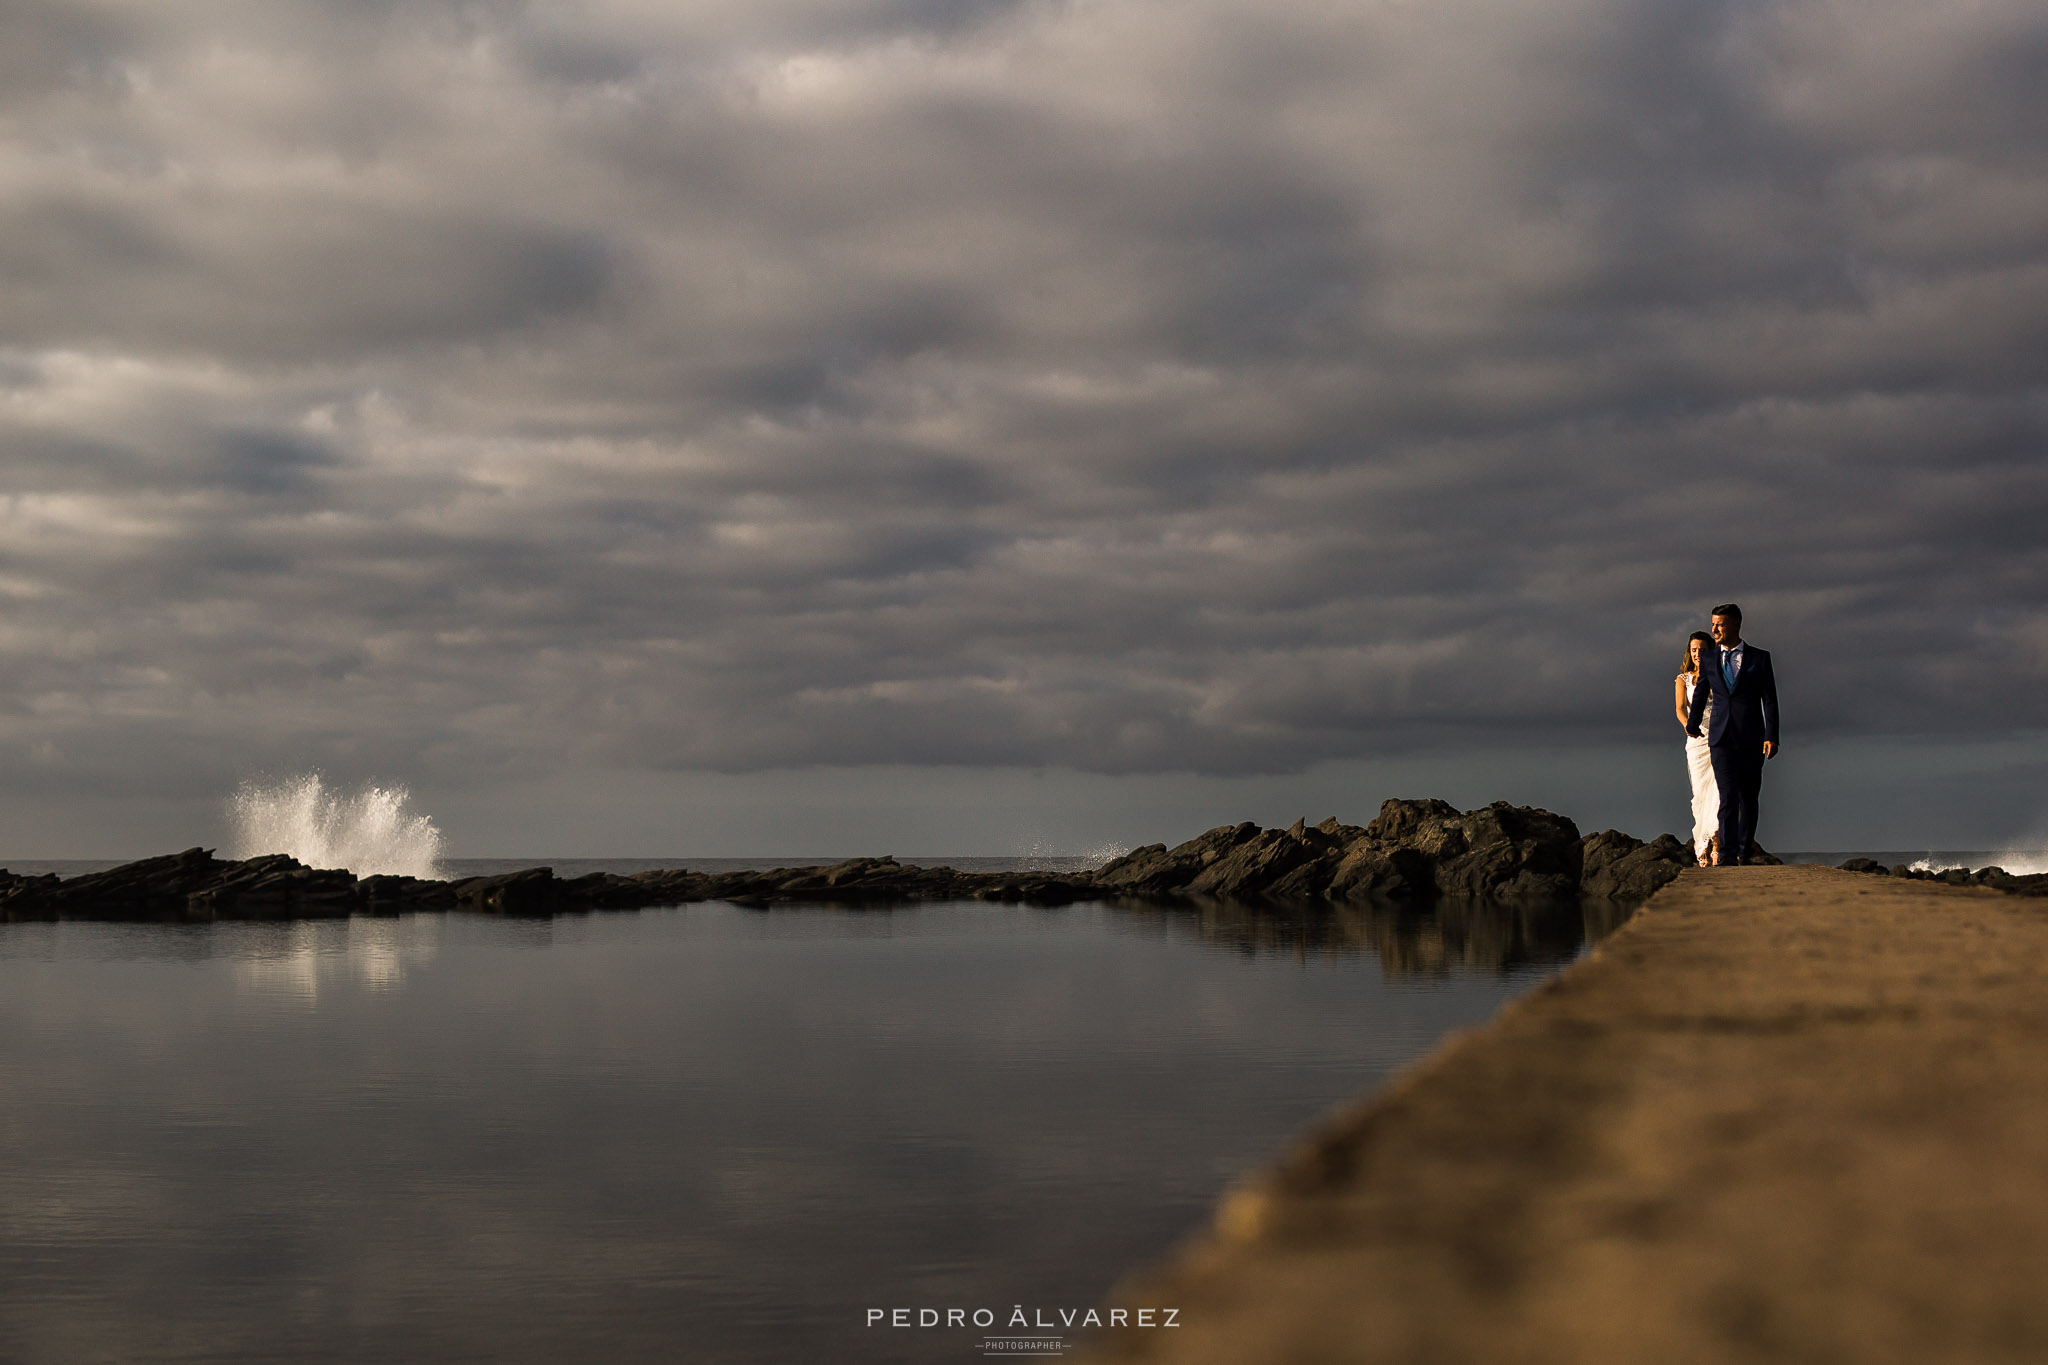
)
(1727, 700)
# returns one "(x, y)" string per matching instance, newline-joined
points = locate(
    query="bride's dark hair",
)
(1685, 664)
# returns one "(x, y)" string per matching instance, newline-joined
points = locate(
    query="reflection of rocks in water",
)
(1453, 934)
(1603, 916)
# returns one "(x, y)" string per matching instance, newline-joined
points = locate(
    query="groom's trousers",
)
(1739, 773)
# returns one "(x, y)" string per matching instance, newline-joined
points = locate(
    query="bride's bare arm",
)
(1678, 699)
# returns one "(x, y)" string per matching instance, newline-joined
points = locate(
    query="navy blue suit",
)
(1745, 718)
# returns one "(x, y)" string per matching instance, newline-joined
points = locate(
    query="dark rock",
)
(190, 885)
(1238, 862)
(1619, 867)
(1870, 865)
(1370, 871)
(1508, 853)
(26, 897)
(384, 894)
(274, 887)
(1412, 824)
(528, 892)
(1256, 863)
(155, 888)
(1411, 850)
(1139, 866)
(1155, 870)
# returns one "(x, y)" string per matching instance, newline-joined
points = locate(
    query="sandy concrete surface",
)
(1784, 1114)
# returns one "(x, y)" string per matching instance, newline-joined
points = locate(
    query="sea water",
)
(703, 1133)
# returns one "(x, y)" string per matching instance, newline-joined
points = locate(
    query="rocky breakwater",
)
(1413, 852)
(196, 886)
(858, 880)
(189, 885)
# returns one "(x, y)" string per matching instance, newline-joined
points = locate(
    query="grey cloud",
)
(458, 392)
(305, 284)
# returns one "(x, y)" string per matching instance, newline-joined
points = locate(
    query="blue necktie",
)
(1728, 669)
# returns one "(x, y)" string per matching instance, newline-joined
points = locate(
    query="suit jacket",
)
(1746, 714)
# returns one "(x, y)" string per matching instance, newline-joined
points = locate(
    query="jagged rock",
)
(1870, 865)
(1150, 868)
(155, 888)
(385, 894)
(1370, 871)
(1255, 864)
(1412, 824)
(1235, 862)
(25, 896)
(274, 887)
(532, 891)
(1412, 849)
(852, 873)
(1508, 853)
(1619, 867)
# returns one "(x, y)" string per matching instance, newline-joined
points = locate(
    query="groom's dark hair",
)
(1729, 610)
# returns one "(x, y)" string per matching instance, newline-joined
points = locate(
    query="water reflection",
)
(709, 1134)
(294, 961)
(1431, 941)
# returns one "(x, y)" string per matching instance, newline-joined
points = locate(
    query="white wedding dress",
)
(1699, 762)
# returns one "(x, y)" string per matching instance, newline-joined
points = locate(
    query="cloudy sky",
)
(706, 426)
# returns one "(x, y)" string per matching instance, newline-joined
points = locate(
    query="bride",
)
(1706, 797)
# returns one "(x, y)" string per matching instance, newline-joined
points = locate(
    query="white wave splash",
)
(1040, 856)
(2018, 862)
(372, 831)
(1101, 855)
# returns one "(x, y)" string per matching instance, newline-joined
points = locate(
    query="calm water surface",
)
(708, 1134)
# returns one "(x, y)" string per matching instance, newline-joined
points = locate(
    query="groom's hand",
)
(1770, 748)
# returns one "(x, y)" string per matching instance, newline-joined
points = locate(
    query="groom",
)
(1744, 730)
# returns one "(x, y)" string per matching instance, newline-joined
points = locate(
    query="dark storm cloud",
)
(459, 390)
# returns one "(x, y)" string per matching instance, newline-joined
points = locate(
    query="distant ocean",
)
(2019, 862)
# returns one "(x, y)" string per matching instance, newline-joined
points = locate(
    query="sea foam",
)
(2018, 862)
(370, 831)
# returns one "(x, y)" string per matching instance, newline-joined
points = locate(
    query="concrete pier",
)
(1784, 1114)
